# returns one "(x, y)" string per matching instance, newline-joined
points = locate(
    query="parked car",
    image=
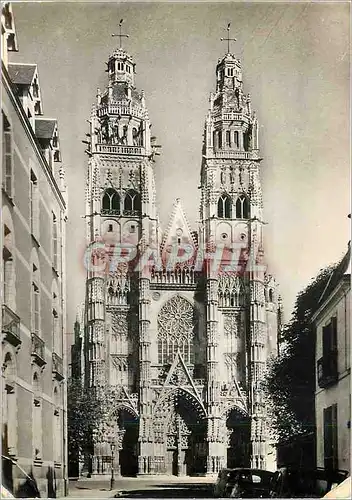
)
(243, 483)
(291, 482)
(342, 490)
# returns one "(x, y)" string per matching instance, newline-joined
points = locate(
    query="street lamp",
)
(112, 480)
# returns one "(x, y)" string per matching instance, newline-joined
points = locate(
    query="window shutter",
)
(334, 333)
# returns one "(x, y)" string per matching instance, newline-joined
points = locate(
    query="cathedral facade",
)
(178, 323)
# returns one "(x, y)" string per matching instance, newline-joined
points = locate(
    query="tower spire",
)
(228, 39)
(120, 35)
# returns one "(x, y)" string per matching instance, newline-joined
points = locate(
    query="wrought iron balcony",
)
(327, 370)
(57, 367)
(11, 332)
(38, 350)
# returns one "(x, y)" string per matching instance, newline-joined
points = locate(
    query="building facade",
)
(179, 323)
(33, 216)
(333, 361)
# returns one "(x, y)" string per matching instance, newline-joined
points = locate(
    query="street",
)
(152, 487)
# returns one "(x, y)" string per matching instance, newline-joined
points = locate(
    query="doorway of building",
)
(185, 428)
(128, 425)
(239, 435)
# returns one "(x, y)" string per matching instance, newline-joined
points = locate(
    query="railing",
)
(228, 153)
(327, 370)
(57, 366)
(231, 115)
(197, 382)
(110, 211)
(38, 350)
(122, 109)
(122, 150)
(186, 276)
(11, 326)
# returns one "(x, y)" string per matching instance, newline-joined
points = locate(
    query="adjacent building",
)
(179, 323)
(33, 217)
(333, 361)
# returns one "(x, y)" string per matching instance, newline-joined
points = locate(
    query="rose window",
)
(176, 326)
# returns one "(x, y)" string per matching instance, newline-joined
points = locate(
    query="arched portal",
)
(116, 443)
(238, 439)
(128, 426)
(180, 428)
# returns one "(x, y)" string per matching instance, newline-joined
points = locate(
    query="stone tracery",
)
(176, 330)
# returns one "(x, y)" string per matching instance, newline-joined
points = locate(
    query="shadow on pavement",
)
(171, 491)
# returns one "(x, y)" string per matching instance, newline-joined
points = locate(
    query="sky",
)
(296, 66)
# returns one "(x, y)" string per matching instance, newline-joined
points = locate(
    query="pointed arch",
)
(242, 207)
(111, 201)
(224, 207)
(132, 203)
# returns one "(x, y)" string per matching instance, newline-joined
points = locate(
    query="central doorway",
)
(185, 429)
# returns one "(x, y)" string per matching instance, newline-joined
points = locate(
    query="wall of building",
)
(340, 392)
(33, 391)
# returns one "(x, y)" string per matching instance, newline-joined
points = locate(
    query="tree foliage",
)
(84, 412)
(290, 382)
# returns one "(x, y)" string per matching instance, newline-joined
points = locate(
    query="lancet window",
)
(132, 203)
(176, 331)
(111, 202)
(242, 207)
(224, 207)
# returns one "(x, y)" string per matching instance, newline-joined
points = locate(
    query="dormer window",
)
(55, 141)
(35, 89)
(37, 108)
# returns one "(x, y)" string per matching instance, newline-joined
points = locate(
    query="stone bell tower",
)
(241, 298)
(121, 220)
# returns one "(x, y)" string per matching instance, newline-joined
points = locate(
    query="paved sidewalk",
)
(93, 488)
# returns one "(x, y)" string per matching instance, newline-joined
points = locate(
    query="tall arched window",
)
(224, 207)
(57, 429)
(9, 406)
(242, 207)
(176, 331)
(132, 204)
(111, 202)
(35, 299)
(7, 159)
(37, 419)
(57, 341)
(9, 290)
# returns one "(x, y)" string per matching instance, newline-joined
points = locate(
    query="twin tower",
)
(179, 323)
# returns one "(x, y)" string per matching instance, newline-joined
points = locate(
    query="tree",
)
(84, 413)
(290, 382)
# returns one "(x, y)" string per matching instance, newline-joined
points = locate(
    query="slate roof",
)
(22, 74)
(341, 270)
(44, 128)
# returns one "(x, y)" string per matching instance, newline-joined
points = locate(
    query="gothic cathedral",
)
(178, 323)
